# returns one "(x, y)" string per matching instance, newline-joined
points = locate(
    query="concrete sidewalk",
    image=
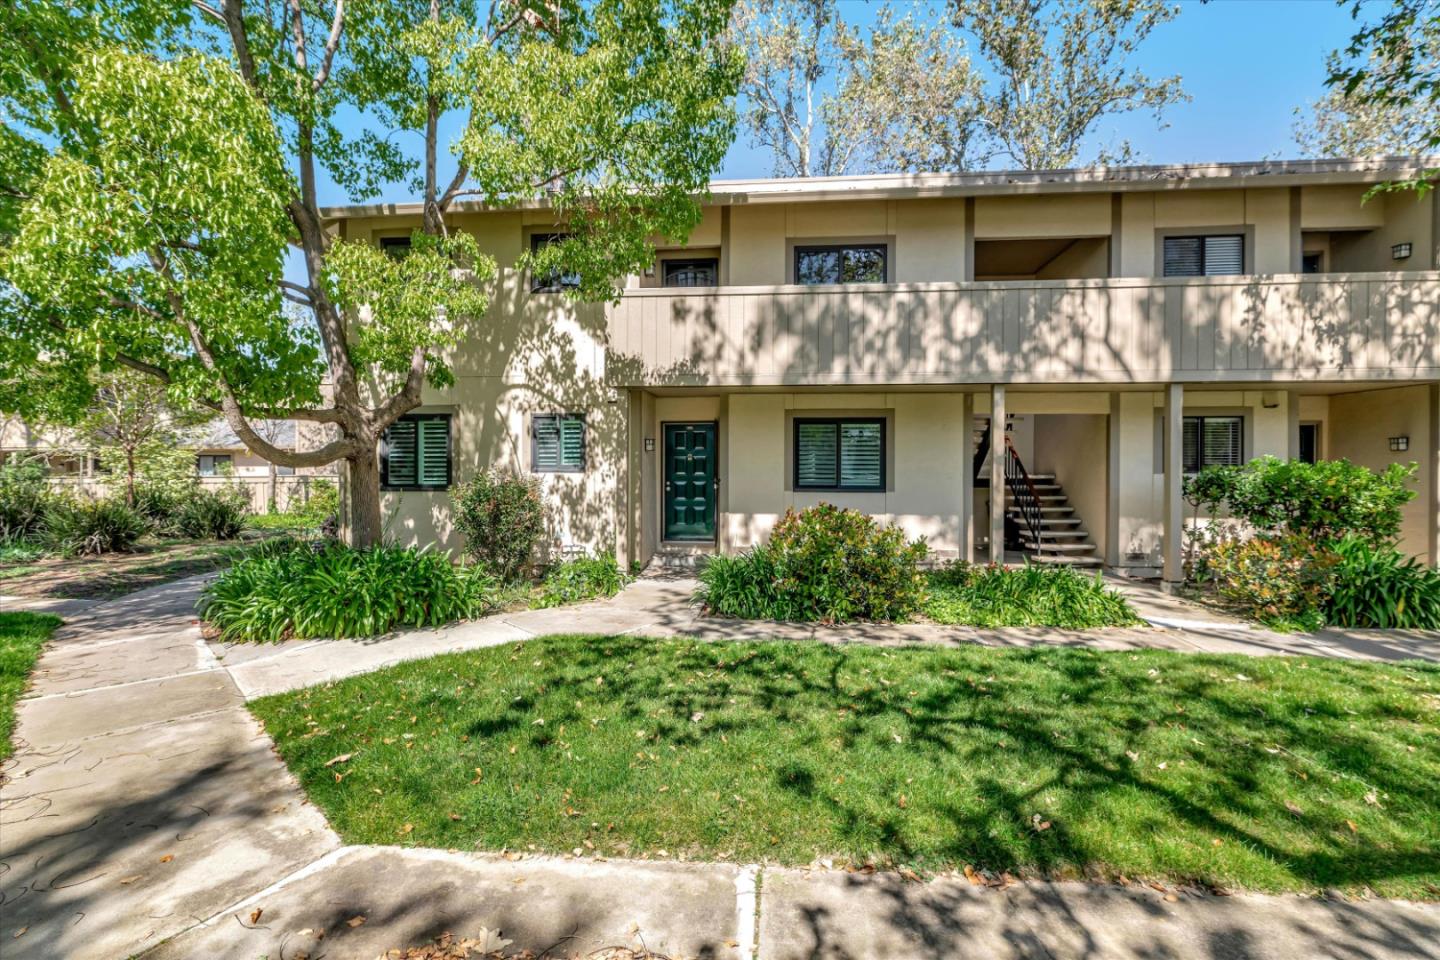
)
(145, 812)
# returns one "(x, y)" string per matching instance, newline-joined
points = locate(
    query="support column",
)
(1432, 469)
(967, 479)
(997, 473)
(1172, 526)
(1292, 423)
(1112, 484)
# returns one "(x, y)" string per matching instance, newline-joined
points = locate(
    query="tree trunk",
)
(130, 479)
(364, 490)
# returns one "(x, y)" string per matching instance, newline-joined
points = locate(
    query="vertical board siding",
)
(1350, 326)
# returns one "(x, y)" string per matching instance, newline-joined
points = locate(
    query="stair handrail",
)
(1027, 498)
(984, 449)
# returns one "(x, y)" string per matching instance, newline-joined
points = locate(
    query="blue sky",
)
(1246, 64)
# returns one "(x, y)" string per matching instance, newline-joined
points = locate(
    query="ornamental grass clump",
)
(292, 590)
(581, 578)
(1028, 596)
(823, 564)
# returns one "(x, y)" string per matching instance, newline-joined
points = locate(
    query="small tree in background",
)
(134, 428)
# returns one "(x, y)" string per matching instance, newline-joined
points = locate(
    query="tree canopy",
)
(159, 159)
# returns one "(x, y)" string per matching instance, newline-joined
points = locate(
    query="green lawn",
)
(21, 637)
(1267, 773)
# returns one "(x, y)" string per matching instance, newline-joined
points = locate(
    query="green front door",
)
(690, 481)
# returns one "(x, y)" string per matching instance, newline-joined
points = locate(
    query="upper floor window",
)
(1217, 255)
(700, 272)
(397, 248)
(415, 453)
(214, 464)
(1212, 442)
(554, 282)
(841, 263)
(557, 443)
(836, 454)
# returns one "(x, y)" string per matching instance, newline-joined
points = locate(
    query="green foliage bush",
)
(581, 578)
(287, 589)
(1381, 587)
(79, 525)
(24, 497)
(322, 504)
(502, 518)
(1028, 596)
(217, 514)
(1321, 501)
(823, 564)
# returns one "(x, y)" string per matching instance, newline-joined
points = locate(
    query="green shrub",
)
(288, 590)
(824, 564)
(1281, 581)
(217, 514)
(24, 497)
(20, 551)
(502, 518)
(1321, 501)
(1381, 587)
(80, 525)
(321, 504)
(583, 578)
(1032, 595)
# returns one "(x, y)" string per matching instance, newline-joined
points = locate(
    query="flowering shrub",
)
(1282, 581)
(824, 564)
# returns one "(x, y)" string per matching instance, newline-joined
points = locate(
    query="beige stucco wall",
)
(927, 449)
(1360, 426)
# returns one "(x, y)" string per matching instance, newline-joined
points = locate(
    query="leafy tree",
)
(130, 420)
(826, 101)
(1384, 90)
(159, 158)
(1060, 67)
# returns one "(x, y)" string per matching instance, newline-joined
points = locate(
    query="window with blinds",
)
(1220, 255)
(415, 453)
(557, 443)
(1212, 442)
(840, 454)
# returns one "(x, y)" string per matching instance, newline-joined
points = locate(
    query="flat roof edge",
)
(902, 186)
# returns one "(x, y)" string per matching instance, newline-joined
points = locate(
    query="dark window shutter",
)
(1184, 257)
(861, 455)
(546, 437)
(1224, 256)
(572, 443)
(1190, 445)
(434, 455)
(400, 461)
(816, 455)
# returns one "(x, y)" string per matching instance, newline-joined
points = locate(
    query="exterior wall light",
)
(1399, 444)
(649, 444)
(1400, 251)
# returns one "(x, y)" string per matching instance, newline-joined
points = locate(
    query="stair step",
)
(1068, 561)
(1060, 521)
(1066, 548)
(1043, 497)
(1061, 534)
(1046, 509)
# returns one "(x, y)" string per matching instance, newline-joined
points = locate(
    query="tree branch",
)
(234, 16)
(208, 11)
(331, 45)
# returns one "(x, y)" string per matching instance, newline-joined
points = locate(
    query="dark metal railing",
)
(1022, 489)
(983, 450)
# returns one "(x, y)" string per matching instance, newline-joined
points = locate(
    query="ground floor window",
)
(557, 443)
(1213, 442)
(840, 454)
(415, 453)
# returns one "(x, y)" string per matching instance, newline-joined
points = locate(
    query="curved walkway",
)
(144, 812)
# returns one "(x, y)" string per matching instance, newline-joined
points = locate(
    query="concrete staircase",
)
(1063, 539)
(674, 559)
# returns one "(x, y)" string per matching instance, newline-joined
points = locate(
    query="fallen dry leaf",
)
(167, 858)
(340, 759)
(1351, 825)
(127, 880)
(255, 915)
(355, 921)
(409, 827)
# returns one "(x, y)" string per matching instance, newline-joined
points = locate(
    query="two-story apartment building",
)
(852, 339)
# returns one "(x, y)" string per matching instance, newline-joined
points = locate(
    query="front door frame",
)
(665, 472)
